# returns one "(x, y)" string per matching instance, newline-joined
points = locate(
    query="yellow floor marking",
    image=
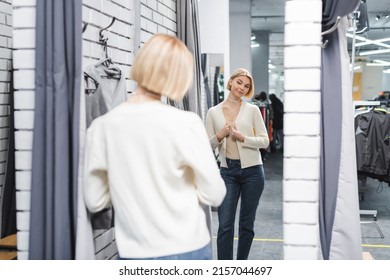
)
(268, 239)
(281, 240)
(260, 239)
(376, 245)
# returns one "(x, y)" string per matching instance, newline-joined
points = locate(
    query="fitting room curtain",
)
(340, 233)
(56, 129)
(188, 32)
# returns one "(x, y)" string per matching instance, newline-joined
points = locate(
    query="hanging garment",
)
(206, 79)
(110, 92)
(110, 89)
(264, 107)
(105, 88)
(219, 88)
(373, 145)
(216, 99)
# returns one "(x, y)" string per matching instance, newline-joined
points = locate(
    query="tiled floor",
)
(376, 197)
(268, 242)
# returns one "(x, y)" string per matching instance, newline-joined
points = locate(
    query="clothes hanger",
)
(103, 40)
(86, 75)
(84, 27)
(105, 60)
(105, 28)
(89, 90)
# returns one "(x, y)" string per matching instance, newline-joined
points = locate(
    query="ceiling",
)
(268, 15)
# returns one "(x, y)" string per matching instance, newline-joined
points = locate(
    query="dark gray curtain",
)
(188, 32)
(331, 116)
(56, 129)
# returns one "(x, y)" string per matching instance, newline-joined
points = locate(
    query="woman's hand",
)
(224, 132)
(236, 134)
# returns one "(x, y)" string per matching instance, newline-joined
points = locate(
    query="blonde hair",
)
(164, 65)
(242, 72)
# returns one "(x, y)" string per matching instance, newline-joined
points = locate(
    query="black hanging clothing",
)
(372, 133)
(216, 87)
(206, 79)
(278, 111)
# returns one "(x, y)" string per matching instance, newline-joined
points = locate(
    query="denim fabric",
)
(204, 253)
(247, 183)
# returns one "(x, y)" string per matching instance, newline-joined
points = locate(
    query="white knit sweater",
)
(154, 163)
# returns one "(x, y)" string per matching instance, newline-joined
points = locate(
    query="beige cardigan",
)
(250, 123)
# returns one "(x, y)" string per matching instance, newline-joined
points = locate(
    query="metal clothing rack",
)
(372, 213)
(366, 103)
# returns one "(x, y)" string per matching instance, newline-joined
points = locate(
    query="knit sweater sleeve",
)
(198, 155)
(96, 190)
(259, 139)
(212, 129)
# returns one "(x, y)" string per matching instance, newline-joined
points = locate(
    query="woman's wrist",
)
(219, 139)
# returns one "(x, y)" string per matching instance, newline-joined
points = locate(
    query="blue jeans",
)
(204, 253)
(249, 184)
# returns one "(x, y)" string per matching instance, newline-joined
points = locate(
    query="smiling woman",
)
(237, 129)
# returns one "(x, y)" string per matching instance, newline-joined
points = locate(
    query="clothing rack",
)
(366, 103)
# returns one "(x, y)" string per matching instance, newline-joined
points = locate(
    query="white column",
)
(240, 35)
(302, 62)
(24, 92)
(214, 29)
(260, 57)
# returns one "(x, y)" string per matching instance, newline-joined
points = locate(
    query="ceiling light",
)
(365, 43)
(377, 17)
(357, 37)
(385, 63)
(253, 37)
(374, 64)
(387, 16)
(255, 45)
(373, 42)
(374, 52)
